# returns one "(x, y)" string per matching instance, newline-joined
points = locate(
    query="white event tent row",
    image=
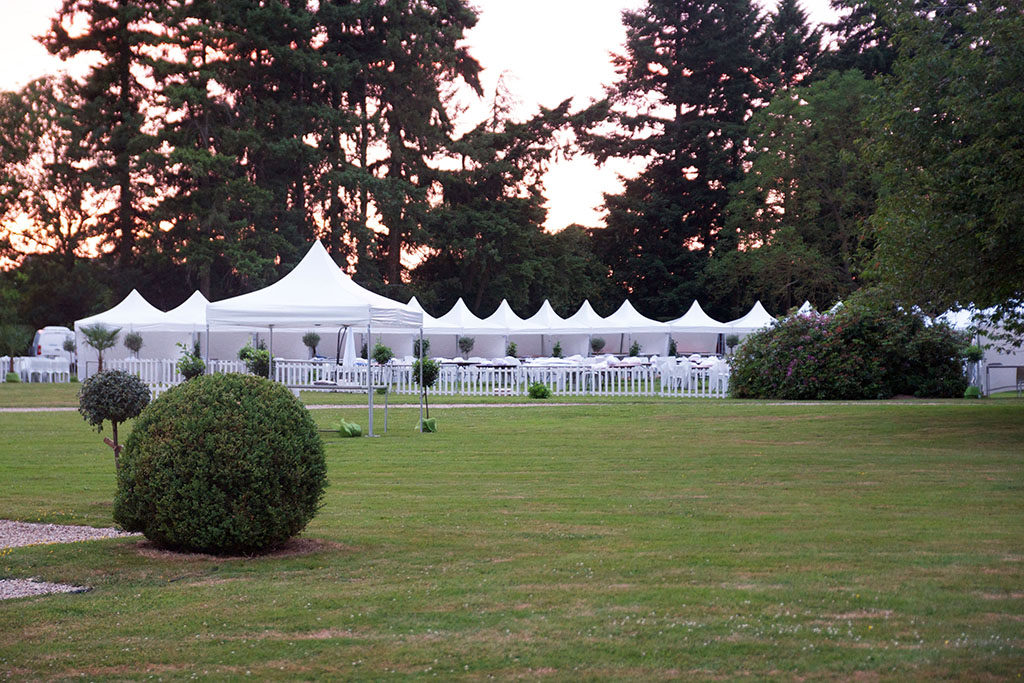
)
(317, 296)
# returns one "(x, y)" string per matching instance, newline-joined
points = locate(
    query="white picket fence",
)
(465, 380)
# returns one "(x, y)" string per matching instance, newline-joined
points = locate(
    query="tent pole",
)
(207, 347)
(270, 366)
(369, 375)
(422, 360)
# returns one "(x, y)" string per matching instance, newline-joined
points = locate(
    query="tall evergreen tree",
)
(483, 240)
(118, 33)
(800, 213)
(792, 44)
(237, 76)
(692, 73)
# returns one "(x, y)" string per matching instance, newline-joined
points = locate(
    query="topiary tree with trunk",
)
(133, 342)
(112, 395)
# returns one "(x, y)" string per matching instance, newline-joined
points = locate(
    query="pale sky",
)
(548, 49)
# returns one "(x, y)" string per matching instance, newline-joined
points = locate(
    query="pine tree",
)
(483, 240)
(692, 73)
(114, 101)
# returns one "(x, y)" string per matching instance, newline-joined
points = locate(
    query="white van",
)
(49, 342)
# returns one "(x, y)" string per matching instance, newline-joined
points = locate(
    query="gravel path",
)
(15, 534)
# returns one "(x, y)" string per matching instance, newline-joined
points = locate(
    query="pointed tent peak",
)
(805, 309)
(755, 319)
(583, 321)
(132, 312)
(316, 291)
(505, 318)
(585, 309)
(195, 301)
(415, 305)
(136, 300)
(695, 320)
(544, 320)
(189, 314)
(628, 320)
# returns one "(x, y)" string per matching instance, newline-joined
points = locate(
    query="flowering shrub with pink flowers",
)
(857, 353)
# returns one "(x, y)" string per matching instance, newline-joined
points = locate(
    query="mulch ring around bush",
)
(293, 547)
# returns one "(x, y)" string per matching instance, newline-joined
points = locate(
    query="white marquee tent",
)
(756, 319)
(315, 293)
(132, 314)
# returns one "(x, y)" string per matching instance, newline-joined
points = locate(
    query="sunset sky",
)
(548, 49)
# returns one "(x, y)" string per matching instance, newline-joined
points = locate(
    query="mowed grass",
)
(658, 541)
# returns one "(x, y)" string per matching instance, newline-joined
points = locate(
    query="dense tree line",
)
(211, 141)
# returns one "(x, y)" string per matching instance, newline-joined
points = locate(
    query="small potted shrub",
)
(419, 352)
(539, 390)
(430, 371)
(191, 364)
(311, 340)
(466, 345)
(112, 395)
(382, 354)
(634, 349)
(596, 344)
(511, 349)
(732, 341)
(556, 351)
(133, 342)
(256, 358)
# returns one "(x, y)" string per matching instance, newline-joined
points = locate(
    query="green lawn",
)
(660, 540)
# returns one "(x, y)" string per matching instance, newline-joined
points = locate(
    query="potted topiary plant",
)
(311, 340)
(732, 341)
(634, 349)
(556, 350)
(133, 342)
(425, 372)
(417, 351)
(382, 354)
(191, 364)
(466, 345)
(256, 358)
(511, 349)
(596, 344)
(112, 395)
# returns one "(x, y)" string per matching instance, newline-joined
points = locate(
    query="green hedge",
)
(855, 354)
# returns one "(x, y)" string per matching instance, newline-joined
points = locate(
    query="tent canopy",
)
(756, 318)
(583, 321)
(627, 320)
(134, 313)
(189, 315)
(315, 292)
(544, 321)
(505, 318)
(696, 321)
(460, 320)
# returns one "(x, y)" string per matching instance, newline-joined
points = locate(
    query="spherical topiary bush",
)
(221, 464)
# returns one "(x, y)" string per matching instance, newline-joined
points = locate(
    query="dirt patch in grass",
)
(292, 548)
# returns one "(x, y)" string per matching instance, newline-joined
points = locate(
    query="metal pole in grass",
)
(422, 356)
(369, 369)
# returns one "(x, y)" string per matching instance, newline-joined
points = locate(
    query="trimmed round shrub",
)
(223, 464)
(112, 395)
